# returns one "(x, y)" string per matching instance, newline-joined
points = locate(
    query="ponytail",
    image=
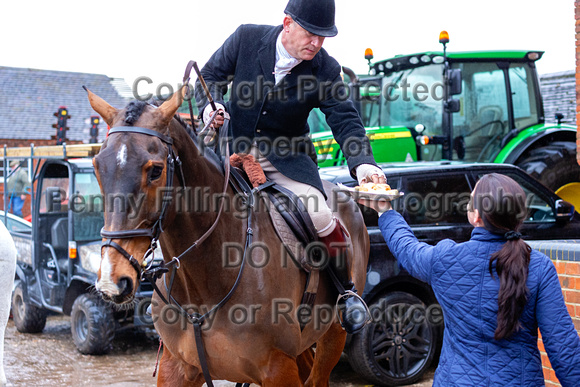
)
(512, 269)
(501, 203)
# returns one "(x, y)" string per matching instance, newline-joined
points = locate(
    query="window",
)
(436, 200)
(55, 186)
(483, 118)
(523, 95)
(539, 209)
(412, 97)
(87, 207)
(54, 195)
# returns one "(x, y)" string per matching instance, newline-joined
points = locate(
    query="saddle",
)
(289, 217)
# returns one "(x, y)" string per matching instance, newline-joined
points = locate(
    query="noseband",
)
(157, 228)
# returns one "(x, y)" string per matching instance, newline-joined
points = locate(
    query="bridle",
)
(151, 273)
(143, 270)
(155, 231)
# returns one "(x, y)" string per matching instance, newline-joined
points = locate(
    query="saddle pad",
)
(285, 233)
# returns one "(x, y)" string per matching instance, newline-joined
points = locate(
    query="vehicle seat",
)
(488, 114)
(59, 241)
(476, 141)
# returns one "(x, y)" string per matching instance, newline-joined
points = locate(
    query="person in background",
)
(495, 292)
(278, 74)
(16, 187)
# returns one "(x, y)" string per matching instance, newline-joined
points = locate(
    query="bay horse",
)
(254, 337)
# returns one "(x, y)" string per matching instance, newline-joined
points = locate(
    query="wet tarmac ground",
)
(51, 359)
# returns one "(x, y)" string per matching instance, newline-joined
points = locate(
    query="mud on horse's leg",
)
(328, 351)
(281, 371)
(171, 372)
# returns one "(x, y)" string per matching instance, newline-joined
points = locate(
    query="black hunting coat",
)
(275, 116)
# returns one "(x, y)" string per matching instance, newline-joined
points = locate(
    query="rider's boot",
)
(355, 313)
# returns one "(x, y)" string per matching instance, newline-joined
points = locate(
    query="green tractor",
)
(482, 106)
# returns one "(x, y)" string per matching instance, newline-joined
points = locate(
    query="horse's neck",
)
(197, 208)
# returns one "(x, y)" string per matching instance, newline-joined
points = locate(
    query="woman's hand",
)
(381, 205)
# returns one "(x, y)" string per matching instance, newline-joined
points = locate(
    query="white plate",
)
(356, 194)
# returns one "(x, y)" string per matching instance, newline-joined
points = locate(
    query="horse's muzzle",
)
(125, 286)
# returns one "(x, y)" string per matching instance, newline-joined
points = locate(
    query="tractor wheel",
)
(92, 325)
(27, 318)
(555, 166)
(399, 346)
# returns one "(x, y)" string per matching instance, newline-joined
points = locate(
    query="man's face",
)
(300, 43)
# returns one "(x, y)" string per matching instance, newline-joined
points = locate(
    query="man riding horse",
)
(279, 74)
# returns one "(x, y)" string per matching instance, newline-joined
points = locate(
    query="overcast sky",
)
(130, 38)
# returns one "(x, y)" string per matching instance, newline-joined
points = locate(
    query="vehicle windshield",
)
(415, 96)
(404, 98)
(87, 207)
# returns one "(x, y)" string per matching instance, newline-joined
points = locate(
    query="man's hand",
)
(368, 173)
(208, 113)
(219, 120)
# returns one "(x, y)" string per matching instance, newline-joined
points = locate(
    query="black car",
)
(405, 337)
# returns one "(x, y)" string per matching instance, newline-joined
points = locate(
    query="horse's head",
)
(132, 169)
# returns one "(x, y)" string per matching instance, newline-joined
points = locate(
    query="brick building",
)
(577, 12)
(568, 265)
(559, 96)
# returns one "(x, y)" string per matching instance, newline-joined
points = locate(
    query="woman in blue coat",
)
(495, 292)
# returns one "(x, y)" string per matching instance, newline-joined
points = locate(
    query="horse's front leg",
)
(173, 372)
(281, 371)
(328, 350)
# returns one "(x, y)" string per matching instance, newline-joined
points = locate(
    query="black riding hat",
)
(315, 16)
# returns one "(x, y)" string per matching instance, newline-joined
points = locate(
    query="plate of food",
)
(372, 191)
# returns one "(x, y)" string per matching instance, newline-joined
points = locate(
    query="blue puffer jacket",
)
(459, 275)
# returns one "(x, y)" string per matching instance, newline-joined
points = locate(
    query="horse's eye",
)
(156, 172)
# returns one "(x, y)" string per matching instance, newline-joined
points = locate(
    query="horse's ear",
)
(102, 107)
(170, 106)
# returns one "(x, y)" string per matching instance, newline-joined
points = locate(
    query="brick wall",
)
(568, 266)
(577, 12)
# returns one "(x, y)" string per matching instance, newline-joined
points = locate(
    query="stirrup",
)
(350, 326)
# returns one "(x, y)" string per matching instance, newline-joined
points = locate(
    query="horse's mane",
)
(136, 107)
(133, 111)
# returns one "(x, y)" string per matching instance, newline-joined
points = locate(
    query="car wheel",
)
(92, 325)
(399, 346)
(27, 318)
(556, 167)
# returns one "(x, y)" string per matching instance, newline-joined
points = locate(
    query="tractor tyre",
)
(554, 165)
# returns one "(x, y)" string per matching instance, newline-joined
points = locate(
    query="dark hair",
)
(133, 111)
(501, 203)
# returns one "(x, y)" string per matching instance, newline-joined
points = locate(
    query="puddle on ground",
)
(50, 358)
